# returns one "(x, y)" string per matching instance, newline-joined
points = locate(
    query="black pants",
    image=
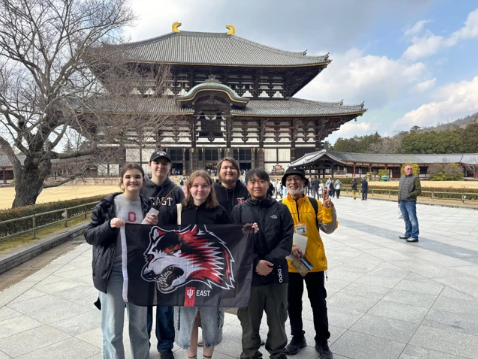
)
(317, 296)
(337, 193)
(364, 195)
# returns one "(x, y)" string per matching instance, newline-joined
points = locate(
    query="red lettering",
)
(190, 296)
(131, 217)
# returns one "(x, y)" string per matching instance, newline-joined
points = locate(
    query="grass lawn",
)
(58, 193)
(436, 184)
(27, 238)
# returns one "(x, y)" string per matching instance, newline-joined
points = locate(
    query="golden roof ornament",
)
(175, 26)
(232, 29)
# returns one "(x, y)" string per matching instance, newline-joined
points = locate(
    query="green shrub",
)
(27, 224)
(383, 172)
(445, 172)
(12, 183)
(416, 168)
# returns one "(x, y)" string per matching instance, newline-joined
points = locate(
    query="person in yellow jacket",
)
(309, 217)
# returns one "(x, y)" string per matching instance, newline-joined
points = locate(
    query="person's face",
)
(160, 167)
(295, 184)
(200, 190)
(257, 187)
(228, 173)
(408, 170)
(132, 181)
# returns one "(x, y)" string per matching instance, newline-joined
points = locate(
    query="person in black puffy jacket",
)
(103, 232)
(272, 244)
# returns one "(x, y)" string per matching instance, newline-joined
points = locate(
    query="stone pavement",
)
(387, 298)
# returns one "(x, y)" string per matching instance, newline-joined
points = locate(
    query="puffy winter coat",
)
(273, 242)
(103, 238)
(228, 198)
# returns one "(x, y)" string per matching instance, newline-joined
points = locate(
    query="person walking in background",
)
(202, 208)
(409, 189)
(315, 187)
(353, 185)
(321, 188)
(103, 232)
(272, 244)
(337, 187)
(331, 187)
(164, 194)
(307, 214)
(364, 185)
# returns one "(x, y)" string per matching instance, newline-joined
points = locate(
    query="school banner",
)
(195, 265)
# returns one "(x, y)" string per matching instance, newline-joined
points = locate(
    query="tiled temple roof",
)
(388, 159)
(279, 108)
(206, 48)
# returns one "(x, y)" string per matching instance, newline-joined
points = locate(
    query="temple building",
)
(229, 96)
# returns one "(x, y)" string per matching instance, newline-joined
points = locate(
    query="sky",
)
(413, 62)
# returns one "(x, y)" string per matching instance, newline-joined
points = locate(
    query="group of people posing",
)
(277, 287)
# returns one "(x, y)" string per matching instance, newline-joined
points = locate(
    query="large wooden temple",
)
(229, 96)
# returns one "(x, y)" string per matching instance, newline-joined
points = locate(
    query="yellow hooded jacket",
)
(303, 212)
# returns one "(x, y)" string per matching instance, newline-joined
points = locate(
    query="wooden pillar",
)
(185, 171)
(354, 170)
(4, 170)
(260, 158)
(260, 150)
(193, 159)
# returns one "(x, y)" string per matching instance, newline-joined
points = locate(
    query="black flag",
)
(195, 265)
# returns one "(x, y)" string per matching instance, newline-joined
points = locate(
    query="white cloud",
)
(469, 31)
(451, 102)
(356, 77)
(417, 28)
(351, 129)
(423, 46)
(430, 44)
(425, 85)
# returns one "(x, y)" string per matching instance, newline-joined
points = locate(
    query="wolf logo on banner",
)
(175, 258)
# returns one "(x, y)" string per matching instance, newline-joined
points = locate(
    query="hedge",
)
(20, 212)
(443, 193)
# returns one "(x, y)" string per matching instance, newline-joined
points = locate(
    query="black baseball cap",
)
(159, 154)
(294, 171)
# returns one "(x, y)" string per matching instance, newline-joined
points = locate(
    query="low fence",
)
(433, 195)
(18, 226)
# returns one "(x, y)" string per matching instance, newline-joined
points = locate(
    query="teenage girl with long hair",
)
(199, 207)
(103, 232)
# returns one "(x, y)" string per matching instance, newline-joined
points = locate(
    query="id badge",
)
(300, 228)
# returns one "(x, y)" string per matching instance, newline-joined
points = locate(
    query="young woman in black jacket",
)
(199, 207)
(103, 232)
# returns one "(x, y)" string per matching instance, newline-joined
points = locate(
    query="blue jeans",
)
(112, 321)
(409, 213)
(164, 327)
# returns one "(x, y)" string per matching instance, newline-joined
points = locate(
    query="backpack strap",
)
(314, 204)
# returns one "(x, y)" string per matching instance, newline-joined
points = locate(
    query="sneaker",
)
(411, 240)
(403, 237)
(323, 350)
(295, 345)
(167, 355)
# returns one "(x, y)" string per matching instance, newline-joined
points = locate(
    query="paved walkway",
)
(387, 298)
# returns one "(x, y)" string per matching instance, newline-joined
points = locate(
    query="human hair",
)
(233, 162)
(259, 173)
(211, 200)
(126, 168)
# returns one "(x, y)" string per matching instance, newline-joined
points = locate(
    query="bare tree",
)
(58, 73)
(388, 144)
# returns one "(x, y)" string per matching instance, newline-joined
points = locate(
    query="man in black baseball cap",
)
(159, 154)
(164, 195)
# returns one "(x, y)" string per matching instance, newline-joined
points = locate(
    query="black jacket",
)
(273, 242)
(103, 238)
(364, 185)
(156, 194)
(197, 215)
(315, 184)
(228, 198)
(353, 183)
